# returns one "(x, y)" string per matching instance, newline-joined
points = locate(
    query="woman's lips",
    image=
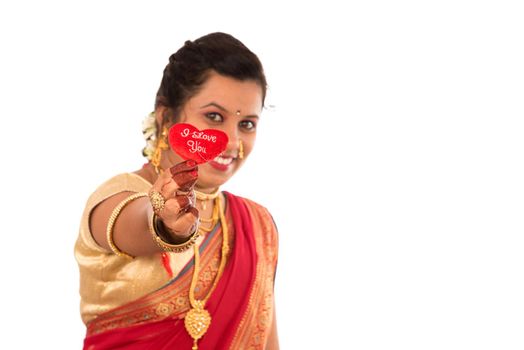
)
(221, 163)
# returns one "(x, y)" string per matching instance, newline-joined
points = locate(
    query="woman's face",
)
(229, 105)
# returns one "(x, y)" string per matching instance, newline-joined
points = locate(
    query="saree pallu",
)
(241, 306)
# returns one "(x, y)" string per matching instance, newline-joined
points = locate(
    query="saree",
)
(241, 306)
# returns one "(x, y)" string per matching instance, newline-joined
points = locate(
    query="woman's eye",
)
(248, 125)
(214, 117)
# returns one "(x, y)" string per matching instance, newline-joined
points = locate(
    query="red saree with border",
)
(241, 306)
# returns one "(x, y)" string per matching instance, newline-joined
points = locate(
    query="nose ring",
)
(240, 149)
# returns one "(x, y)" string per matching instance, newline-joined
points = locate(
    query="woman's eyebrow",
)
(224, 109)
(215, 105)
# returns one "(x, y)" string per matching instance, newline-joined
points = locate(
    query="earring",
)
(240, 149)
(161, 145)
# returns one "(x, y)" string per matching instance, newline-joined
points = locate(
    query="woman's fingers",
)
(176, 206)
(184, 174)
(183, 166)
(181, 184)
(186, 179)
(175, 188)
(184, 202)
(182, 226)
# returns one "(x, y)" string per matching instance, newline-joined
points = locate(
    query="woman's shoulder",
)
(264, 227)
(123, 182)
(253, 205)
(258, 212)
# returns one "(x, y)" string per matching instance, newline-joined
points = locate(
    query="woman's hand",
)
(179, 215)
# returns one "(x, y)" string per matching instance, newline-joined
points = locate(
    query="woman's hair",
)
(189, 68)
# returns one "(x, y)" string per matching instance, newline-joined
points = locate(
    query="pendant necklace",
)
(198, 319)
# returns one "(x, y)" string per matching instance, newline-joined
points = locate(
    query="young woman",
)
(166, 260)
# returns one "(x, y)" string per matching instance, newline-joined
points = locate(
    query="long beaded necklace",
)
(198, 319)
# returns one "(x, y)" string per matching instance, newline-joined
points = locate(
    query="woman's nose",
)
(233, 138)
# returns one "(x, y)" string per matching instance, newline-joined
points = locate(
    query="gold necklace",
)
(204, 197)
(212, 222)
(198, 319)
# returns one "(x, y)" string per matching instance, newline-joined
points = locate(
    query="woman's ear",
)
(164, 117)
(160, 115)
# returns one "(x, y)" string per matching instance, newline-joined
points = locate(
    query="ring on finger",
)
(157, 201)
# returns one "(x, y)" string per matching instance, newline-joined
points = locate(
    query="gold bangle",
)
(170, 247)
(112, 220)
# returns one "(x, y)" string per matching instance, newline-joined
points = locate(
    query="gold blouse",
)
(107, 280)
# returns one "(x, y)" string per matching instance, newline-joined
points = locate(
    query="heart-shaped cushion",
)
(199, 145)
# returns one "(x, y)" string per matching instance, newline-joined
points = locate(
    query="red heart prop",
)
(198, 145)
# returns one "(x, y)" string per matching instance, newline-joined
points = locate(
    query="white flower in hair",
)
(149, 132)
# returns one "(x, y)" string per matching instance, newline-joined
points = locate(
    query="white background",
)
(392, 161)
